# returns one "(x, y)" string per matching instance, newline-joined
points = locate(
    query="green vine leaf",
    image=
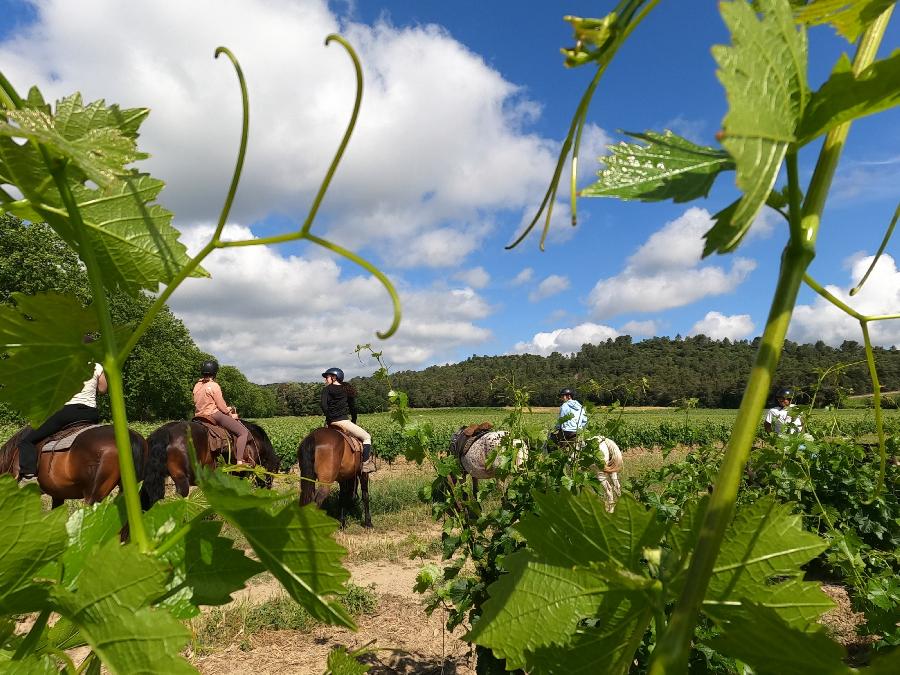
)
(342, 662)
(31, 664)
(111, 609)
(666, 166)
(295, 544)
(48, 360)
(845, 97)
(133, 239)
(29, 539)
(87, 527)
(849, 17)
(764, 75)
(761, 638)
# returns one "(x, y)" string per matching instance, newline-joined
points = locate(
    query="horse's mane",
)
(267, 455)
(9, 451)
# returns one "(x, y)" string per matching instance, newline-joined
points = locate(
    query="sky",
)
(464, 109)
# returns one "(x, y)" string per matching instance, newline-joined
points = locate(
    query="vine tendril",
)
(884, 242)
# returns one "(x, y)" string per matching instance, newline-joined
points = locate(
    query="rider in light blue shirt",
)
(572, 418)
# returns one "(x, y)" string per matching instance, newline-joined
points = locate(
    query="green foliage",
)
(667, 167)
(250, 400)
(342, 662)
(848, 17)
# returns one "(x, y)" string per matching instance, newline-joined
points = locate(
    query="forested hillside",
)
(659, 371)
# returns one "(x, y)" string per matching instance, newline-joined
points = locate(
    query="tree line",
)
(161, 372)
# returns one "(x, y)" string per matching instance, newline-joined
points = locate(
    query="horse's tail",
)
(615, 462)
(307, 459)
(156, 468)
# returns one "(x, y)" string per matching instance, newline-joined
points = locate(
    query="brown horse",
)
(89, 469)
(171, 441)
(325, 457)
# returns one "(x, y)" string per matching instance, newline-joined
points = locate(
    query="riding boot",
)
(368, 464)
(28, 460)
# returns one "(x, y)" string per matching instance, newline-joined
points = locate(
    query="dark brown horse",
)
(325, 457)
(171, 440)
(89, 469)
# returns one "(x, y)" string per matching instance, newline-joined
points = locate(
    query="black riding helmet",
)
(337, 372)
(209, 369)
(785, 392)
(567, 392)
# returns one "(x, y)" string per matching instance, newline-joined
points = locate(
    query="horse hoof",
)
(368, 525)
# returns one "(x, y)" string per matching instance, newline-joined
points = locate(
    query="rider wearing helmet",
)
(209, 403)
(572, 418)
(339, 405)
(782, 418)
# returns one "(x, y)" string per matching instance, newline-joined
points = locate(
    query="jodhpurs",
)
(354, 430)
(235, 427)
(68, 414)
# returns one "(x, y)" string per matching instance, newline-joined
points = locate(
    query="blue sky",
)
(466, 103)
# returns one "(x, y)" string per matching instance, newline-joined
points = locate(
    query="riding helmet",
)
(567, 392)
(786, 393)
(337, 372)
(209, 369)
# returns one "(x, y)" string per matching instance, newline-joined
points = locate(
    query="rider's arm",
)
(351, 405)
(216, 392)
(767, 422)
(102, 384)
(323, 401)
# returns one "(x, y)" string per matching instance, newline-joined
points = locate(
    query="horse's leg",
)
(56, 502)
(322, 493)
(364, 485)
(344, 499)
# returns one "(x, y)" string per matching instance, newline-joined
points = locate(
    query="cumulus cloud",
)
(415, 172)
(647, 328)
(666, 271)
(523, 277)
(476, 277)
(285, 317)
(881, 295)
(550, 286)
(718, 326)
(566, 340)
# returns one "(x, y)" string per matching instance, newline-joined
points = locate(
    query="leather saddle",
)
(65, 437)
(221, 441)
(464, 438)
(354, 443)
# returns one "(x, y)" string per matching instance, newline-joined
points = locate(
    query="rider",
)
(81, 408)
(339, 405)
(782, 418)
(572, 418)
(208, 402)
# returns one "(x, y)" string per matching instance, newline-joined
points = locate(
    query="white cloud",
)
(550, 286)
(476, 277)
(881, 295)
(566, 340)
(415, 172)
(647, 328)
(692, 129)
(717, 326)
(522, 277)
(665, 271)
(286, 317)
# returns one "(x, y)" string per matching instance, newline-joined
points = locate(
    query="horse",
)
(325, 457)
(171, 441)
(89, 469)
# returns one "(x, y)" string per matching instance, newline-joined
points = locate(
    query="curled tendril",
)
(242, 150)
(884, 242)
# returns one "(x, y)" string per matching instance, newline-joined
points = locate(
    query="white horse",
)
(474, 462)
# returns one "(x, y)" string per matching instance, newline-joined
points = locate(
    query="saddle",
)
(464, 438)
(354, 443)
(65, 437)
(219, 439)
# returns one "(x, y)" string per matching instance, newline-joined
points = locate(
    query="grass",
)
(238, 623)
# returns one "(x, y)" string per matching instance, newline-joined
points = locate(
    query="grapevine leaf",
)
(88, 527)
(846, 97)
(208, 567)
(606, 648)
(760, 561)
(341, 662)
(295, 544)
(29, 539)
(681, 540)
(30, 664)
(759, 637)
(577, 530)
(887, 664)
(134, 241)
(111, 609)
(764, 75)
(849, 17)
(535, 605)
(666, 167)
(48, 360)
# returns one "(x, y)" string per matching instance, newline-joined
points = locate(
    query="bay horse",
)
(325, 457)
(171, 442)
(89, 469)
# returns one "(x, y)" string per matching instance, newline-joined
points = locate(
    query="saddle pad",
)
(63, 439)
(353, 441)
(218, 437)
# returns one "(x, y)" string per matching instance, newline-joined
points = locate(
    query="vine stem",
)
(674, 649)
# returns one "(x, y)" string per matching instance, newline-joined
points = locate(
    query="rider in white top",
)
(783, 418)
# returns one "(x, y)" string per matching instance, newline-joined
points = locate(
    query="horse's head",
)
(9, 452)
